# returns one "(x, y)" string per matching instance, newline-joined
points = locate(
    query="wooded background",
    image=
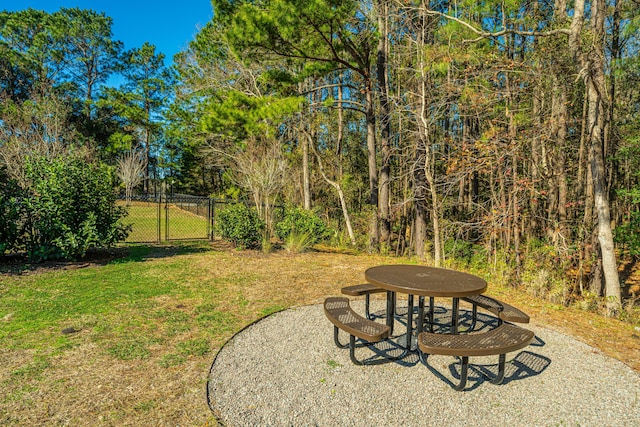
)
(507, 130)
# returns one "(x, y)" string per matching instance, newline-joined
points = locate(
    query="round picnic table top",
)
(425, 281)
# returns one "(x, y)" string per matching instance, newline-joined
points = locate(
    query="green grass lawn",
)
(130, 342)
(182, 224)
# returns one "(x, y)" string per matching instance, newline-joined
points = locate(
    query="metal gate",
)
(165, 217)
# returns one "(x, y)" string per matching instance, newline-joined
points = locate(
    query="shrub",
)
(300, 224)
(240, 225)
(297, 242)
(70, 208)
(10, 212)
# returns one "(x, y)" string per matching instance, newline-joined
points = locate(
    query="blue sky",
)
(168, 24)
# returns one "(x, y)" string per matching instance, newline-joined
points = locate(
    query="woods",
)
(499, 132)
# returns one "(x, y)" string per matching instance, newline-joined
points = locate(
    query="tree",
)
(592, 60)
(33, 53)
(240, 116)
(262, 171)
(327, 34)
(591, 68)
(479, 122)
(91, 55)
(33, 114)
(141, 100)
(67, 54)
(382, 7)
(131, 168)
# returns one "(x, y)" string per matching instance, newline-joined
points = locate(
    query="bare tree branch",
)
(131, 168)
(488, 34)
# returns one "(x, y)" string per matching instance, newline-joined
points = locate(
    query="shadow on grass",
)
(143, 252)
(18, 264)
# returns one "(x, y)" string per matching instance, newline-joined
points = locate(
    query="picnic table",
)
(423, 281)
(432, 282)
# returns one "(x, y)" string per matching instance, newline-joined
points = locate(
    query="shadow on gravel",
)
(525, 364)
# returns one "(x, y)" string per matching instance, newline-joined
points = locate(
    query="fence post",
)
(166, 217)
(212, 211)
(159, 202)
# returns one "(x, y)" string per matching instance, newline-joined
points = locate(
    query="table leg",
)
(454, 316)
(432, 313)
(420, 325)
(391, 310)
(409, 321)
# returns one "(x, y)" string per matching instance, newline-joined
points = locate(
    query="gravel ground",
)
(286, 371)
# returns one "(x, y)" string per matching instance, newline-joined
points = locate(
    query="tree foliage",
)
(486, 116)
(507, 124)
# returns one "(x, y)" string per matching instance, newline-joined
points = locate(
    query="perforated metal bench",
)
(504, 312)
(501, 340)
(340, 313)
(365, 289)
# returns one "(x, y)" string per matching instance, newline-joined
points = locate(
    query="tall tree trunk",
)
(428, 158)
(340, 137)
(374, 233)
(305, 174)
(419, 186)
(514, 193)
(610, 140)
(535, 162)
(558, 174)
(341, 196)
(147, 152)
(306, 181)
(561, 169)
(435, 214)
(385, 122)
(591, 67)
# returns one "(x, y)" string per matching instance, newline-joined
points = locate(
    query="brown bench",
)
(503, 311)
(501, 340)
(365, 289)
(340, 313)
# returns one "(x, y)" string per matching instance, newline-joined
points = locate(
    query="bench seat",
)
(503, 311)
(361, 289)
(340, 313)
(365, 289)
(499, 341)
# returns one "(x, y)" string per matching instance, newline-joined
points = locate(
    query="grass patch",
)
(172, 359)
(195, 347)
(207, 316)
(34, 369)
(175, 321)
(145, 406)
(129, 350)
(271, 309)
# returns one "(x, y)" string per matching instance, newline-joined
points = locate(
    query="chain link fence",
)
(164, 217)
(159, 217)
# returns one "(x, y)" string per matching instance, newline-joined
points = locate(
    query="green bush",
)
(461, 250)
(70, 208)
(627, 234)
(10, 212)
(240, 225)
(298, 222)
